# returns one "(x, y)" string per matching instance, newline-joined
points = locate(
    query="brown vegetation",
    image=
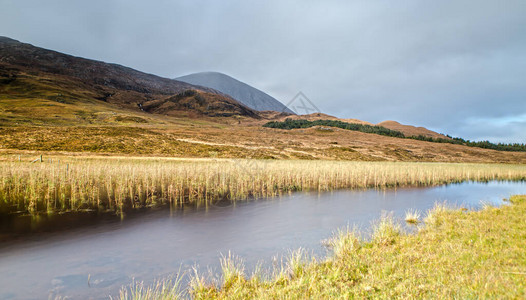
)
(63, 183)
(409, 130)
(183, 137)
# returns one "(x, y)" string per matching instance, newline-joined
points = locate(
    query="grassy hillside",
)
(294, 124)
(129, 134)
(409, 130)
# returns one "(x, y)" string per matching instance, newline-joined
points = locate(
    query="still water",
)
(156, 244)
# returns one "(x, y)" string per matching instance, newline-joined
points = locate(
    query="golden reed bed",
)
(63, 184)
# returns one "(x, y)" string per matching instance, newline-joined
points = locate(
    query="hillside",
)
(40, 86)
(317, 116)
(236, 89)
(409, 130)
(56, 103)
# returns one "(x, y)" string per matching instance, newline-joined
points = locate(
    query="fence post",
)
(41, 158)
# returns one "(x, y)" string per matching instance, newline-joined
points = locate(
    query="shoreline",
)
(452, 255)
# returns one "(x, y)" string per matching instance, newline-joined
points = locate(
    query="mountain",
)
(236, 89)
(35, 77)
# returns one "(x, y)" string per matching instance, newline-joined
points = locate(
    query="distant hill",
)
(409, 130)
(240, 91)
(317, 116)
(54, 84)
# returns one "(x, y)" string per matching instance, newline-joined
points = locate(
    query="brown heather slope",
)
(275, 116)
(339, 144)
(183, 137)
(409, 130)
(54, 85)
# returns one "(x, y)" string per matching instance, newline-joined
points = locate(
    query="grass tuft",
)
(412, 216)
(434, 216)
(167, 289)
(297, 260)
(344, 242)
(386, 230)
(233, 269)
(198, 285)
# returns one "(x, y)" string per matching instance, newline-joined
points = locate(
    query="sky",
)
(456, 67)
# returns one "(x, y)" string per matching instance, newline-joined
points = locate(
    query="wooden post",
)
(41, 158)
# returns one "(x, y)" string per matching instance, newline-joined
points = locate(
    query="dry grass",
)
(412, 216)
(386, 231)
(233, 269)
(161, 290)
(185, 137)
(76, 183)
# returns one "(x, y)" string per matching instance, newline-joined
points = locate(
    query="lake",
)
(157, 243)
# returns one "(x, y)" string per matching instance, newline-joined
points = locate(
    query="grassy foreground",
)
(67, 183)
(456, 254)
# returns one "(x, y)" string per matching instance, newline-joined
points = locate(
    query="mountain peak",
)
(240, 91)
(211, 73)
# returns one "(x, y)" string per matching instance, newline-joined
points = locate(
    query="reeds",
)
(117, 184)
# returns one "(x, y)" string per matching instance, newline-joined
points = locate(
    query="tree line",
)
(293, 124)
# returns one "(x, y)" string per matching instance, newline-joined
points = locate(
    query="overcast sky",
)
(457, 67)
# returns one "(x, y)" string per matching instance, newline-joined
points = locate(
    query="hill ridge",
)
(31, 72)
